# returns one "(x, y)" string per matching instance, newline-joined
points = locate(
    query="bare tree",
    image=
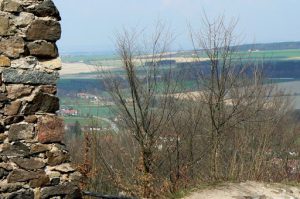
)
(232, 87)
(145, 106)
(228, 128)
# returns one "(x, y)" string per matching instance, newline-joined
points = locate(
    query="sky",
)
(91, 25)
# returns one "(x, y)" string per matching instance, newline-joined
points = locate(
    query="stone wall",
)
(34, 162)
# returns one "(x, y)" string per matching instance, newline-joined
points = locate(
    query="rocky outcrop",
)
(34, 162)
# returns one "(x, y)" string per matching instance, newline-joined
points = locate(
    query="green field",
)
(293, 54)
(87, 108)
(90, 114)
(273, 55)
(84, 121)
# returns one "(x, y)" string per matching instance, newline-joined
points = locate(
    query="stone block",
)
(50, 129)
(50, 89)
(64, 168)
(28, 76)
(53, 64)
(13, 119)
(12, 6)
(12, 47)
(12, 108)
(18, 90)
(23, 19)
(42, 103)
(48, 30)
(31, 119)
(16, 149)
(40, 182)
(4, 61)
(39, 148)
(20, 175)
(29, 163)
(45, 9)
(11, 187)
(21, 194)
(57, 157)
(42, 49)
(20, 132)
(2, 137)
(69, 190)
(4, 25)
(28, 62)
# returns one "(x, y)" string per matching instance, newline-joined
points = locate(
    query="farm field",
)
(82, 72)
(86, 108)
(88, 67)
(84, 121)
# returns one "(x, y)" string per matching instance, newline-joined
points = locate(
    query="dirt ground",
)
(248, 190)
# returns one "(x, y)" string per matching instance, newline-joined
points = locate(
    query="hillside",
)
(271, 46)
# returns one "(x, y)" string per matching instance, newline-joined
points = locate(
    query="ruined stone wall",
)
(34, 162)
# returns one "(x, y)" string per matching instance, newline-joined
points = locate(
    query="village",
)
(84, 110)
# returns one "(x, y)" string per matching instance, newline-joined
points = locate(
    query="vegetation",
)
(232, 127)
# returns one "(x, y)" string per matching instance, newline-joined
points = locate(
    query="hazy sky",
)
(90, 25)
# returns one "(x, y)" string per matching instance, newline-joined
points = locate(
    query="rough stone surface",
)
(11, 187)
(4, 61)
(19, 175)
(76, 176)
(3, 97)
(12, 6)
(43, 49)
(2, 137)
(64, 168)
(6, 166)
(24, 19)
(46, 8)
(12, 47)
(13, 108)
(3, 173)
(29, 163)
(39, 148)
(31, 119)
(40, 182)
(53, 174)
(48, 30)
(43, 103)
(50, 129)
(13, 119)
(4, 25)
(20, 132)
(57, 157)
(65, 189)
(17, 149)
(23, 194)
(28, 77)
(18, 90)
(34, 162)
(53, 64)
(50, 89)
(28, 62)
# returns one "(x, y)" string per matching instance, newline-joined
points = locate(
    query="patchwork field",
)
(81, 74)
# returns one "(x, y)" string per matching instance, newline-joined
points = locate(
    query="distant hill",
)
(270, 46)
(276, 46)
